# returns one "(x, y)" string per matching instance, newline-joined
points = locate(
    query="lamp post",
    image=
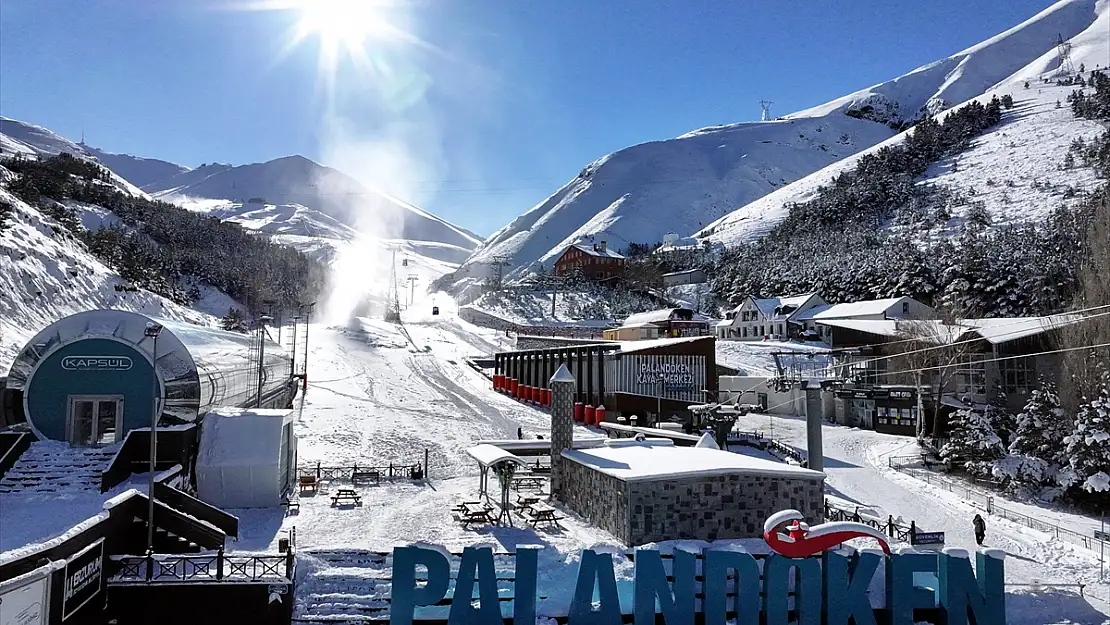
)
(293, 360)
(152, 331)
(307, 316)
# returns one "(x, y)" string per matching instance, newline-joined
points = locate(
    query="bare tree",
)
(930, 356)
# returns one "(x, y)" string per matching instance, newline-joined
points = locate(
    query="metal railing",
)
(986, 501)
(203, 567)
(902, 533)
(412, 471)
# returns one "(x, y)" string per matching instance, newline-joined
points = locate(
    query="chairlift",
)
(404, 262)
(435, 310)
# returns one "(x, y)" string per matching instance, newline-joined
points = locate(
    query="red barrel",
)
(528, 390)
(590, 412)
(498, 380)
(578, 411)
(546, 397)
(514, 387)
(599, 415)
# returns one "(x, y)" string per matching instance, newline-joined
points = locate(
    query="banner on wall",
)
(84, 578)
(26, 599)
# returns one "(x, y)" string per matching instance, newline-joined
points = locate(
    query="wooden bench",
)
(473, 512)
(346, 495)
(365, 477)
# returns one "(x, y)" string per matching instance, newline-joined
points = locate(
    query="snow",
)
(755, 358)
(857, 472)
(293, 181)
(489, 455)
(45, 275)
(769, 305)
(20, 137)
(562, 374)
(868, 308)
(630, 347)
(137, 170)
(635, 462)
(240, 437)
(1025, 147)
(707, 442)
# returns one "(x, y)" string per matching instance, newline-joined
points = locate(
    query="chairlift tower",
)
(1063, 48)
(412, 287)
(766, 106)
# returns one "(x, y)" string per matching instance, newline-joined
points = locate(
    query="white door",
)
(94, 419)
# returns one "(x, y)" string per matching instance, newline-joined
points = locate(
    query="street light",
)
(307, 315)
(152, 331)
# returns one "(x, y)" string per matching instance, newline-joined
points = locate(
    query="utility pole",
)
(766, 106)
(499, 263)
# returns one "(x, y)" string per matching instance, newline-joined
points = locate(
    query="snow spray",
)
(828, 589)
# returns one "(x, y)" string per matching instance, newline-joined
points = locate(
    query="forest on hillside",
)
(161, 247)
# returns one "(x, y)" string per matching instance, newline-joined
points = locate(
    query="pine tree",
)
(234, 321)
(1088, 448)
(972, 443)
(1042, 426)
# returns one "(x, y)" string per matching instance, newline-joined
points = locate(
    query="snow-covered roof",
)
(651, 316)
(878, 327)
(489, 455)
(768, 306)
(684, 272)
(597, 251)
(997, 330)
(639, 346)
(635, 462)
(848, 310)
(723, 322)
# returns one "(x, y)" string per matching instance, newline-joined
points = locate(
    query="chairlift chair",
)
(435, 310)
(404, 262)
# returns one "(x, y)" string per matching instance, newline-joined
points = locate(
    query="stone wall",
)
(717, 506)
(602, 499)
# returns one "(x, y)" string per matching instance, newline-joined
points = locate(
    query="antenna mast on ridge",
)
(766, 106)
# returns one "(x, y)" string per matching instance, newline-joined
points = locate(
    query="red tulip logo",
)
(802, 540)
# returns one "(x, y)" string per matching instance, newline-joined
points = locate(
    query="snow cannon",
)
(802, 540)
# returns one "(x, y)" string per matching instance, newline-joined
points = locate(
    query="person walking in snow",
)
(519, 434)
(980, 529)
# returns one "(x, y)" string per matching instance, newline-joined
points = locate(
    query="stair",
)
(341, 586)
(166, 542)
(49, 467)
(353, 585)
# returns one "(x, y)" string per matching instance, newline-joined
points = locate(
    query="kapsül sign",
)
(83, 578)
(96, 363)
(830, 588)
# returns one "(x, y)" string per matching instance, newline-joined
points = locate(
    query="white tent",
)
(247, 458)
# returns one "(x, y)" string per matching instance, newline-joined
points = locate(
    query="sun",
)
(343, 24)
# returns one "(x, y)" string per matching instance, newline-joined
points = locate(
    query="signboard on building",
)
(84, 578)
(26, 601)
(928, 538)
(96, 363)
(676, 376)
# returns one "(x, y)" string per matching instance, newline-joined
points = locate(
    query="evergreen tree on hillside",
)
(972, 443)
(234, 321)
(1088, 448)
(1042, 426)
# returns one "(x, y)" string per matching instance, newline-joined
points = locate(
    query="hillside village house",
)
(773, 317)
(593, 262)
(872, 310)
(664, 323)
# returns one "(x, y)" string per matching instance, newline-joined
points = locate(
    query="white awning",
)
(489, 455)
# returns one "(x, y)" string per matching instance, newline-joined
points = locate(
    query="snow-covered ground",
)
(756, 358)
(856, 466)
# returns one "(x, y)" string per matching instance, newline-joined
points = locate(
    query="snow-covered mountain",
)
(295, 180)
(1013, 169)
(137, 170)
(18, 138)
(685, 184)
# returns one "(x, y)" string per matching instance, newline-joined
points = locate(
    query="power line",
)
(972, 329)
(999, 359)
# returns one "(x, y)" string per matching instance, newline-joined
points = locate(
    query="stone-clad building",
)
(649, 491)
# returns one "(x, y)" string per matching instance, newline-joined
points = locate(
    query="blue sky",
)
(508, 100)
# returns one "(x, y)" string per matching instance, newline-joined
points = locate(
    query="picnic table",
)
(543, 513)
(346, 495)
(473, 512)
(527, 481)
(307, 482)
(526, 501)
(365, 476)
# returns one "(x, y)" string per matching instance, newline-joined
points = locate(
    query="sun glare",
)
(343, 23)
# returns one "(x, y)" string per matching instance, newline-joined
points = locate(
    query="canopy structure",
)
(504, 464)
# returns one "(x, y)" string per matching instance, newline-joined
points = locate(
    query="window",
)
(971, 376)
(780, 329)
(905, 308)
(1017, 375)
(94, 420)
(745, 331)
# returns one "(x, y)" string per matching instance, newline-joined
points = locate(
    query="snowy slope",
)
(1001, 166)
(45, 275)
(682, 185)
(298, 180)
(135, 169)
(31, 141)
